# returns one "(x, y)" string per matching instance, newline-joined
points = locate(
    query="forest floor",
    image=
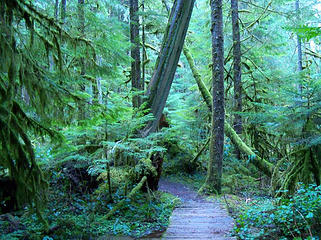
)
(196, 217)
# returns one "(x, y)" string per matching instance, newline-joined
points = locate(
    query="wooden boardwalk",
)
(196, 218)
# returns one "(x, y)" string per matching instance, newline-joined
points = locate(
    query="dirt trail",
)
(196, 218)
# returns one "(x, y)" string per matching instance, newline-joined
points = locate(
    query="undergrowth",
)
(81, 216)
(297, 217)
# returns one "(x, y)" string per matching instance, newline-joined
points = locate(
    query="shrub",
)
(297, 217)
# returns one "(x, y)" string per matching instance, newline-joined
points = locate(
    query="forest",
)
(160, 119)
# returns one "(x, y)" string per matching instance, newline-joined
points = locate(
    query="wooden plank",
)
(197, 218)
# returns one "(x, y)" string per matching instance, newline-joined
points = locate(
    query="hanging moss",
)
(19, 69)
(301, 170)
(305, 164)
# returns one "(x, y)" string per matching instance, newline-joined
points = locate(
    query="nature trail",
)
(196, 217)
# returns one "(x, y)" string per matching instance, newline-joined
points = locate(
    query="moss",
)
(262, 164)
(130, 195)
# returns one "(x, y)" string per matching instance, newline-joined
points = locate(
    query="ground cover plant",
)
(296, 217)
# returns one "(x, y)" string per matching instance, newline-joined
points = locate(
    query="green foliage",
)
(60, 83)
(39, 67)
(297, 217)
(80, 216)
(305, 32)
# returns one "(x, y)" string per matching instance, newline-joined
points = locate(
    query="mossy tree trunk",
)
(214, 170)
(144, 55)
(237, 70)
(165, 68)
(56, 9)
(167, 61)
(129, 196)
(81, 29)
(63, 10)
(262, 164)
(299, 42)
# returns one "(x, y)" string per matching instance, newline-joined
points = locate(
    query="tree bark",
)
(237, 70)
(197, 76)
(214, 170)
(299, 43)
(166, 64)
(297, 9)
(135, 52)
(144, 42)
(260, 163)
(63, 10)
(56, 9)
(81, 28)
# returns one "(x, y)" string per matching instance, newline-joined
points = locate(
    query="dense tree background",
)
(85, 117)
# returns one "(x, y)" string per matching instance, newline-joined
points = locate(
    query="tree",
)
(237, 69)
(63, 10)
(262, 164)
(167, 60)
(135, 75)
(19, 70)
(214, 170)
(81, 29)
(24, 64)
(56, 9)
(299, 42)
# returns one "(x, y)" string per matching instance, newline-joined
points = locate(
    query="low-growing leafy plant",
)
(297, 217)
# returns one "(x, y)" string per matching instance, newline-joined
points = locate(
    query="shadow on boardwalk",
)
(195, 218)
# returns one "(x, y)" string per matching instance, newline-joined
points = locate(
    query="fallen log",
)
(129, 196)
(262, 164)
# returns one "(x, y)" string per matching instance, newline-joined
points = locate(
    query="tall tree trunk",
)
(56, 9)
(144, 42)
(81, 28)
(164, 72)
(237, 70)
(166, 64)
(62, 16)
(135, 52)
(263, 165)
(214, 169)
(299, 43)
(63, 10)
(98, 84)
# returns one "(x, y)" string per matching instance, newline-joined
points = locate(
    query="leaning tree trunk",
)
(263, 165)
(166, 64)
(135, 52)
(214, 171)
(237, 70)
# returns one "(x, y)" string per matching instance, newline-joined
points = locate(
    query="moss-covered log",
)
(201, 86)
(129, 196)
(262, 164)
(201, 151)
